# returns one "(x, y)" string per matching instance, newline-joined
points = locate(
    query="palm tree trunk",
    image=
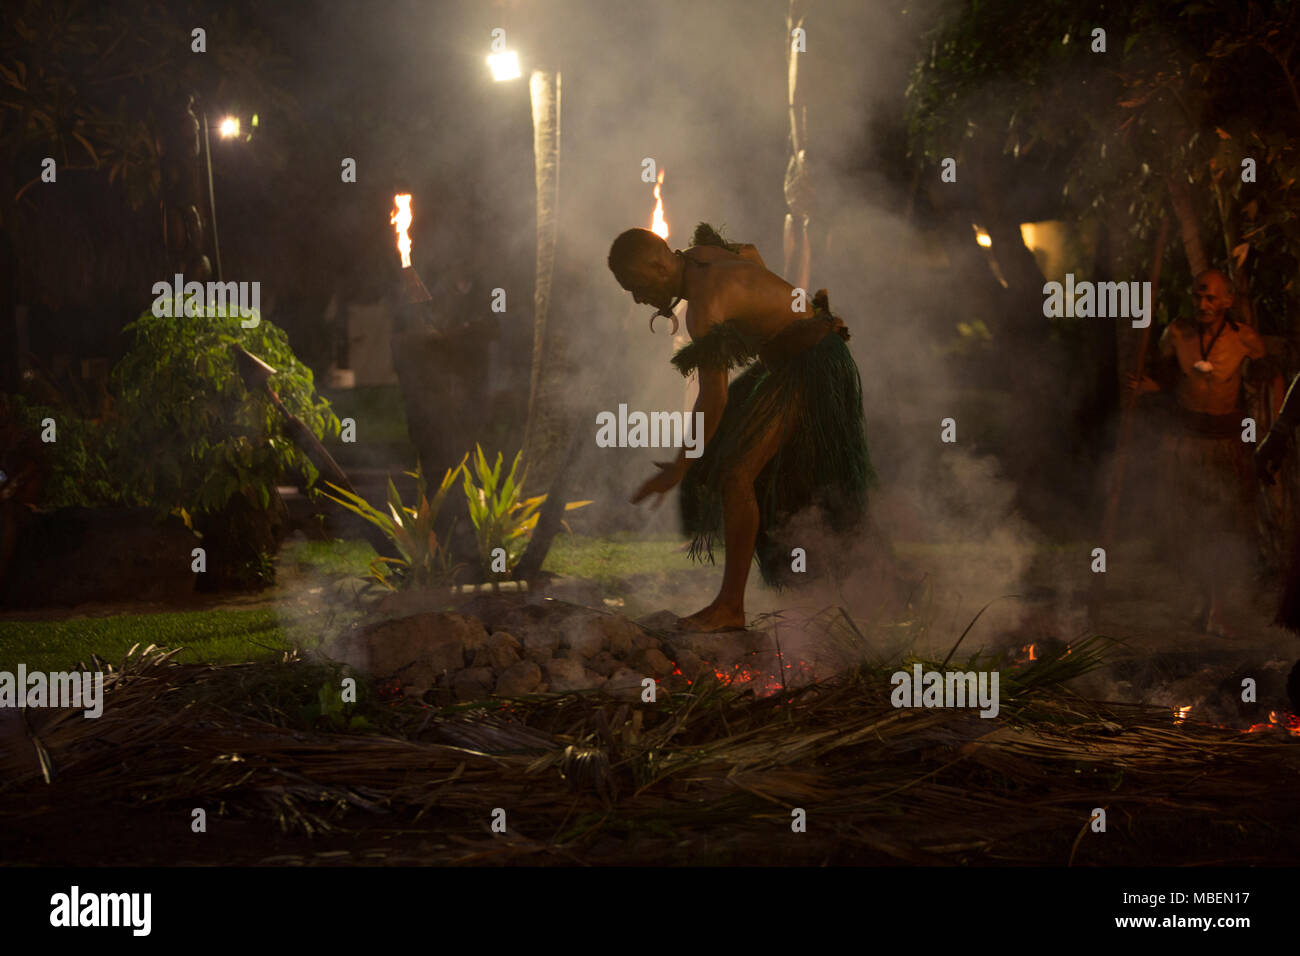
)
(798, 194)
(543, 439)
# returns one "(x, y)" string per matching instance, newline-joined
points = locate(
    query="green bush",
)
(77, 466)
(189, 435)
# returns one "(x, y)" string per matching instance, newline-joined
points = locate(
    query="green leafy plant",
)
(501, 519)
(72, 471)
(424, 560)
(329, 712)
(190, 435)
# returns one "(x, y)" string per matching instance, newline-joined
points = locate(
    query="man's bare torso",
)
(1214, 392)
(740, 290)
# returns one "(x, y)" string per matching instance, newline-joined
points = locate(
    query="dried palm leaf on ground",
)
(586, 778)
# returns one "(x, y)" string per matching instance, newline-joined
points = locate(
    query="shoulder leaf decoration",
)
(706, 235)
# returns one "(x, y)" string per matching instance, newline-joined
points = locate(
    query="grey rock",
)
(539, 655)
(659, 621)
(565, 675)
(524, 619)
(495, 609)
(539, 638)
(472, 683)
(498, 652)
(418, 648)
(624, 684)
(693, 666)
(644, 641)
(523, 677)
(584, 633)
(604, 663)
(655, 663)
(723, 645)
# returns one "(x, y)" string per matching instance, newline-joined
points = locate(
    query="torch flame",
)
(659, 225)
(401, 218)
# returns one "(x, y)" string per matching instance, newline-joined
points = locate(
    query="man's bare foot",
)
(714, 618)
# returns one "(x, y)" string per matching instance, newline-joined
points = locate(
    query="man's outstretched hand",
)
(671, 472)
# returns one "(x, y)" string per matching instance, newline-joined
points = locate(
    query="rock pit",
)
(517, 645)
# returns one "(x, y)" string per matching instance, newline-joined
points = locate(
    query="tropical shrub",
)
(75, 469)
(189, 434)
(425, 560)
(501, 519)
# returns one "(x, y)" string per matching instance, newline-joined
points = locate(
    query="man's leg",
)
(740, 525)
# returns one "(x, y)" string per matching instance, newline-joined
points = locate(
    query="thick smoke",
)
(702, 89)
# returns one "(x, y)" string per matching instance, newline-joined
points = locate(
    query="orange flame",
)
(401, 218)
(658, 224)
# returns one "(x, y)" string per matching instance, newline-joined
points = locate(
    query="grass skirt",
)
(816, 395)
(1208, 500)
(1210, 484)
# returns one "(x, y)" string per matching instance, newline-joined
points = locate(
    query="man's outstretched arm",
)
(712, 401)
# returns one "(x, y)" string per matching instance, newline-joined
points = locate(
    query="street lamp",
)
(505, 66)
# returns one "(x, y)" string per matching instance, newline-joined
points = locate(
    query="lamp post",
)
(229, 129)
(212, 205)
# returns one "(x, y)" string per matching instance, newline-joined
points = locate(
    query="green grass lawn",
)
(215, 636)
(226, 635)
(337, 558)
(613, 558)
(608, 560)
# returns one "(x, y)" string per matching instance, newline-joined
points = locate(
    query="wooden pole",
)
(256, 375)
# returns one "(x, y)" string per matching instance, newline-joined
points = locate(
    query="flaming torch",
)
(416, 293)
(658, 224)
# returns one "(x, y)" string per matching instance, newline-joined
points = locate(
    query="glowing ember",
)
(982, 237)
(659, 225)
(763, 683)
(1287, 723)
(401, 218)
(1028, 652)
